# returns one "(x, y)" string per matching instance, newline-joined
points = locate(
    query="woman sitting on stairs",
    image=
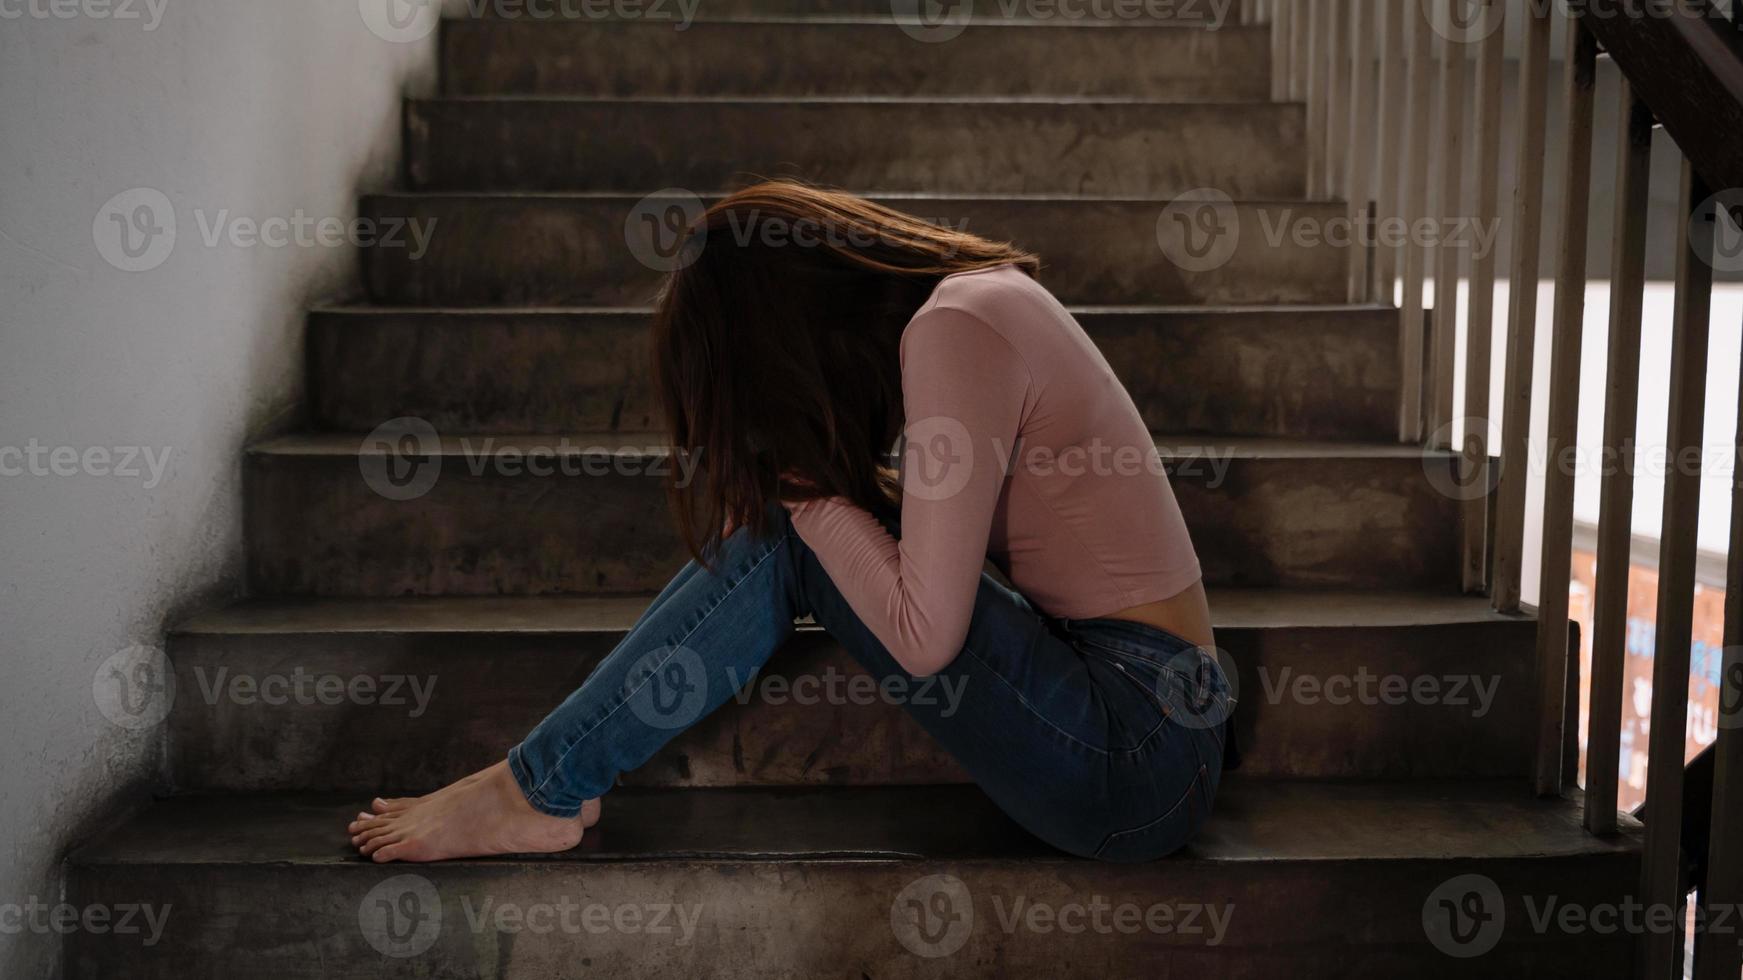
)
(806, 332)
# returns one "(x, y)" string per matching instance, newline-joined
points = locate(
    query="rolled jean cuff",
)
(530, 788)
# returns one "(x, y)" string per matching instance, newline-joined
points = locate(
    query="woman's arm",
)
(964, 391)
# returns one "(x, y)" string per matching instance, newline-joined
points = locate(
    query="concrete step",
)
(445, 687)
(337, 514)
(1251, 150)
(1299, 880)
(1318, 372)
(850, 57)
(934, 23)
(598, 249)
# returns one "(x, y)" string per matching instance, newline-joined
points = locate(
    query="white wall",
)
(257, 108)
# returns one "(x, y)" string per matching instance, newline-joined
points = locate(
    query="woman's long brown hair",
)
(775, 349)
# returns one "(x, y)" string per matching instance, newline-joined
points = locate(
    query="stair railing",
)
(1391, 133)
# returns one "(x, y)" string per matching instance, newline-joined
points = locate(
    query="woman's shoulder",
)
(1003, 297)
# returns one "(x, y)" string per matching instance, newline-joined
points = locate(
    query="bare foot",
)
(482, 815)
(398, 803)
(590, 809)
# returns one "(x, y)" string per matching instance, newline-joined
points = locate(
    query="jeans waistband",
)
(1139, 639)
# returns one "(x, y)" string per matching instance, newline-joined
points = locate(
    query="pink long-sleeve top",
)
(1021, 446)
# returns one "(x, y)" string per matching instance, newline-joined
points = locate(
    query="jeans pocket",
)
(1165, 834)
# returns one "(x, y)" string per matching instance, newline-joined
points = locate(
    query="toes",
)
(590, 811)
(393, 852)
(368, 821)
(380, 843)
(394, 805)
(370, 835)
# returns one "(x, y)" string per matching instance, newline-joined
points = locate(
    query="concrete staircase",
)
(396, 644)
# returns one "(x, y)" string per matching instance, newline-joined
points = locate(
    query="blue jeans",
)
(1103, 738)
